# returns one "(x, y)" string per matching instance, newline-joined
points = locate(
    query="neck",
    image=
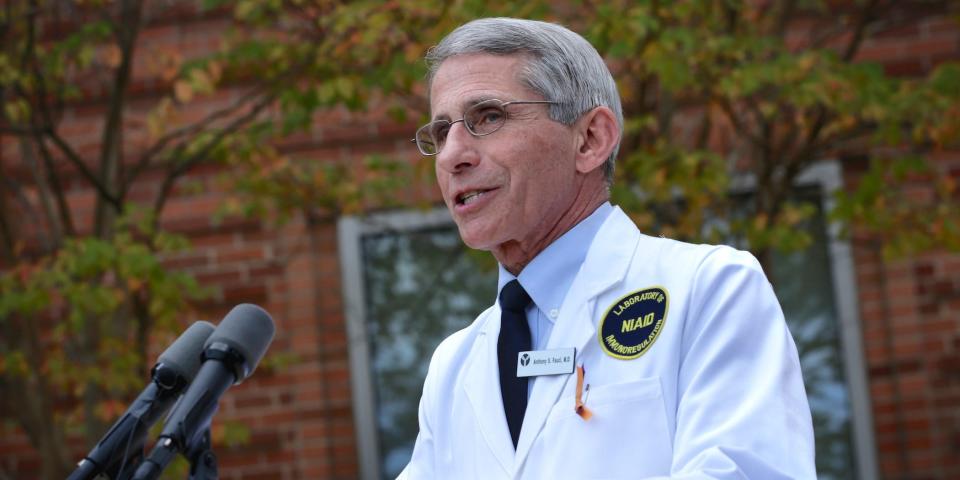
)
(515, 255)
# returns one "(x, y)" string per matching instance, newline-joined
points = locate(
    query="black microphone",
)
(174, 370)
(229, 356)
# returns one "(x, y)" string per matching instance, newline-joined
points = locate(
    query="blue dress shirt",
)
(548, 277)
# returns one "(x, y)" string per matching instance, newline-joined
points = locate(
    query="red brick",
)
(218, 276)
(244, 294)
(244, 254)
(939, 25)
(186, 260)
(905, 68)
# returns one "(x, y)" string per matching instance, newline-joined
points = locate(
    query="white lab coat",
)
(718, 395)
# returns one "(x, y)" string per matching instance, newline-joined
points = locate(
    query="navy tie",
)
(514, 338)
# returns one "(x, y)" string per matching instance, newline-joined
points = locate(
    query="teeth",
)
(469, 198)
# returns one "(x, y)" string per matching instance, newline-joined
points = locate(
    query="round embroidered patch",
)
(633, 323)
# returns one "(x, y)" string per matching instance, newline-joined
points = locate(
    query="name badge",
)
(546, 362)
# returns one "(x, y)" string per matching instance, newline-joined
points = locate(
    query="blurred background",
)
(164, 160)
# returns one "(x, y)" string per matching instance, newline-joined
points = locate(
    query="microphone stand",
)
(121, 470)
(203, 462)
(198, 451)
(121, 449)
(127, 466)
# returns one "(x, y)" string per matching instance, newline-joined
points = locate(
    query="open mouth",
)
(466, 198)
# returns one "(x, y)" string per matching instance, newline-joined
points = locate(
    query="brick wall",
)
(910, 308)
(300, 416)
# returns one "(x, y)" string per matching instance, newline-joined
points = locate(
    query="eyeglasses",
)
(481, 119)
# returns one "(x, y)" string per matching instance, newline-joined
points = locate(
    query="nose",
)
(459, 151)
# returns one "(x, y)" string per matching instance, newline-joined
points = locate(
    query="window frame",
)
(827, 176)
(350, 231)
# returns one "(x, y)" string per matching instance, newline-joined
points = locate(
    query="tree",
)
(79, 299)
(695, 73)
(82, 298)
(83, 294)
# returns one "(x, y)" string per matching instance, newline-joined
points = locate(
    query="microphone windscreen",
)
(184, 355)
(247, 329)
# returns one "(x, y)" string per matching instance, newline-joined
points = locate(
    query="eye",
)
(486, 119)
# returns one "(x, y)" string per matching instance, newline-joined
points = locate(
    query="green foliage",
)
(73, 325)
(690, 75)
(666, 181)
(715, 85)
(82, 288)
(924, 218)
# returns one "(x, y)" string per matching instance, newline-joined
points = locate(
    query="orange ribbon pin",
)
(581, 407)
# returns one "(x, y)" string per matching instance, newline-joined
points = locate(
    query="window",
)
(818, 293)
(410, 282)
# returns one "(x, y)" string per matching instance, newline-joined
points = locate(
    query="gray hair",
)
(562, 67)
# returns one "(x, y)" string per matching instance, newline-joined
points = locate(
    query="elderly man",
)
(609, 353)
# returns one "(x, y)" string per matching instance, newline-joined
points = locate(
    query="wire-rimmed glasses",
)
(480, 119)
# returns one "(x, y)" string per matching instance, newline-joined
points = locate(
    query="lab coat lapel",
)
(482, 386)
(605, 265)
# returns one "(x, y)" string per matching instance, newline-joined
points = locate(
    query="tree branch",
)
(142, 334)
(188, 131)
(61, 223)
(112, 143)
(32, 396)
(706, 126)
(6, 232)
(8, 14)
(665, 109)
(784, 17)
(28, 50)
(738, 125)
(201, 154)
(55, 232)
(76, 161)
(48, 126)
(26, 208)
(21, 131)
(809, 144)
(866, 16)
(66, 218)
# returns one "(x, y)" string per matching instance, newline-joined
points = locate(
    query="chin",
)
(475, 239)
(472, 242)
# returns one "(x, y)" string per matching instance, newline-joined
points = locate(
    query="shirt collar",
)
(549, 275)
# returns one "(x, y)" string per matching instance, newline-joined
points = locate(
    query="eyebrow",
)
(467, 103)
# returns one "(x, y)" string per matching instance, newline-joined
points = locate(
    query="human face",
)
(509, 191)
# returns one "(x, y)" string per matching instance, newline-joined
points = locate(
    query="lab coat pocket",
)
(627, 436)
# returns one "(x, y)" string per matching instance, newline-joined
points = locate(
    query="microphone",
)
(174, 370)
(229, 356)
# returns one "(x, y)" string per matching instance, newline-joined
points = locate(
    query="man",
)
(609, 353)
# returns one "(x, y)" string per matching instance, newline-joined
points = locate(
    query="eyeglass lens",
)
(481, 119)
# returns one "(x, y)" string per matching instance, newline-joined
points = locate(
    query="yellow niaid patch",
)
(632, 324)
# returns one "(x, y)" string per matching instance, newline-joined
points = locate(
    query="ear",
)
(598, 134)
